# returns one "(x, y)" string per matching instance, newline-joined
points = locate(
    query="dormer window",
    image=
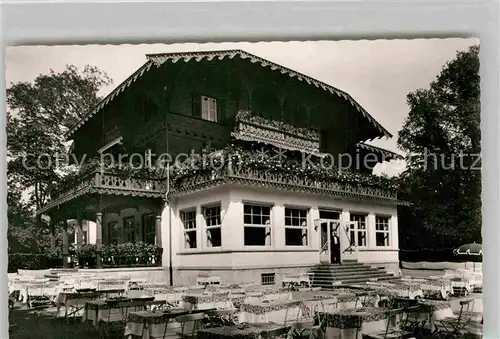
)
(208, 108)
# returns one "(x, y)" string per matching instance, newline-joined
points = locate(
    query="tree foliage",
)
(442, 138)
(38, 115)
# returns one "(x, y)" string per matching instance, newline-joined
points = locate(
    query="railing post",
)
(97, 178)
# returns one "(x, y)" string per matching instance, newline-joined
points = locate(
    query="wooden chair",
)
(455, 325)
(391, 332)
(413, 322)
(113, 325)
(193, 321)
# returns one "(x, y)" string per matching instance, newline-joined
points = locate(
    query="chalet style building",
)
(234, 166)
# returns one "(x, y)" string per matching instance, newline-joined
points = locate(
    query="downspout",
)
(170, 268)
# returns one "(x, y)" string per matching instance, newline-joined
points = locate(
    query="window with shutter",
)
(209, 108)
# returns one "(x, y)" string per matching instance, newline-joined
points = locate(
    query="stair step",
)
(340, 276)
(346, 271)
(357, 269)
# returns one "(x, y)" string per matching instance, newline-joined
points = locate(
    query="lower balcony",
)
(100, 182)
(253, 169)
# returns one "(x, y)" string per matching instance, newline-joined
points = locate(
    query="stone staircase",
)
(327, 276)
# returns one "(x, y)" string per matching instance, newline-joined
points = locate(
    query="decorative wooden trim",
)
(254, 178)
(160, 59)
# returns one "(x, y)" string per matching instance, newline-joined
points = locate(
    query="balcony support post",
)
(79, 231)
(52, 235)
(65, 242)
(98, 224)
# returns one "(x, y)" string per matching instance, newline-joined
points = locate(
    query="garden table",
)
(352, 323)
(278, 311)
(204, 301)
(147, 324)
(402, 289)
(40, 293)
(74, 300)
(436, 288)
(100, 310)
(168, 294)
(251, 331)
(433, 310)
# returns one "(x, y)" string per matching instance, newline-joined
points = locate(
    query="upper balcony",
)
(254, 128)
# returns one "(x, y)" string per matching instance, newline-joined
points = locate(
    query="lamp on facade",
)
(317, 223)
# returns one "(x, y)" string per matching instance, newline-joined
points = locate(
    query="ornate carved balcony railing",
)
(102, 182)
(285, 136)
(258, 178)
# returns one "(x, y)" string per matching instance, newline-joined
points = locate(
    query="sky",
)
(378, 74)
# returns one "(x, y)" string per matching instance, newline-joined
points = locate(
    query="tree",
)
(38, 115)
(442, 138)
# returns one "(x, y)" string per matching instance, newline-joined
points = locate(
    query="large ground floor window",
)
(212, 217)
(296, 226)
(188, 218)
(382, 230)
(257, 225)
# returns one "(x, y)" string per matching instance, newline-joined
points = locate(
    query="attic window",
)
(208, 108)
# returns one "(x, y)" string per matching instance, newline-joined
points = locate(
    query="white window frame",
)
(188, 228)
(303, 224)
(383, 228)
(209, 225)
(208, 108)
(267, 226)
(355, 227)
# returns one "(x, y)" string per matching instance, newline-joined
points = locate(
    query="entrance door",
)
(349, 250)
(330, 248)
(334, 242)
(324, 251)
(330, 242)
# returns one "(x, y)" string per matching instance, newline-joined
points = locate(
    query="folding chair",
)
(190, 320)
(305, 329)
(413, 321)
(455, 325)
(113, 325)
(277, 333)
(393, 329)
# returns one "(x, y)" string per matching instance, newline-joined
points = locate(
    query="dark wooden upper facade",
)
(188, 102)
(169, 89)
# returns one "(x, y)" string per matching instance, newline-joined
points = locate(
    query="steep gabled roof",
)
(160, 59)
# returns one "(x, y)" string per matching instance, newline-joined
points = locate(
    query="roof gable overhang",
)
(159, 59)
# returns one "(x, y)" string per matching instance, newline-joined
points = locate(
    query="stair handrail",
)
(325, 245)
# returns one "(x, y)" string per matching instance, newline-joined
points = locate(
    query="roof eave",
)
(160, 59)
